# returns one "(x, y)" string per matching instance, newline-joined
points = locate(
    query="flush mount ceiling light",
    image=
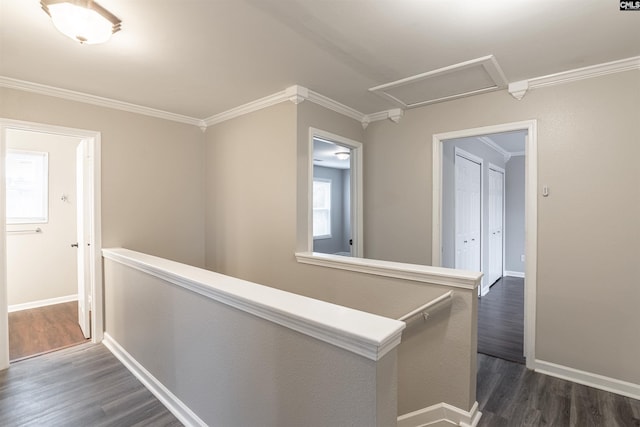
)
(343, 155)
(82, 20)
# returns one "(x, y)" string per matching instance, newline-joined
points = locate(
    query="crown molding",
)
(520, 88)
(295, 94)
(491, 144)
(71, 95)
(333, 105)
(394, 114)
(289, 94)
(298, 94)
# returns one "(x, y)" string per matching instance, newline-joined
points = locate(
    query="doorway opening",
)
(335, 195)
(497, 260)
(53, 258)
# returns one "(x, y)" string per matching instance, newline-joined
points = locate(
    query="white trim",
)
(357, 227)
(365, 334)
(295, 94)
(520, 88)
(472, 157)
(589, 379)
(394, 114)
(249, 107)
(4, 315)
(414, 272)
(498, 169)
(441, 413)
(486, 139)
(510, 273)
(95, 100)
(329, 103)
(531, 212)
(181, 411)
(94, 140)
(41, 303)
(298, 94)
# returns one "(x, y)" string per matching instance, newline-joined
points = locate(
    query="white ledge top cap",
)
(413, 272)
(366, 334)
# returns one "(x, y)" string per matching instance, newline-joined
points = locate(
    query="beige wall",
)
(588, 228)
(43, 265)
(256, 194)
(234, 369)
(152, 173)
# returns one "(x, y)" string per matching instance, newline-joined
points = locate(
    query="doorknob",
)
(74, 245)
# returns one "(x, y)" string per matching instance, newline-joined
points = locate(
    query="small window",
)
(27, 187)
(321, 209)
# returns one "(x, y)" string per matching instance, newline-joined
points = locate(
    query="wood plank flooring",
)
(43, 329)
(509, 395)
(501, 320)
(83, 385)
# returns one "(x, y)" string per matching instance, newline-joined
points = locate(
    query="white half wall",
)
(209, 341)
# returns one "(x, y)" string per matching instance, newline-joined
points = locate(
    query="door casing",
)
(357, 249)
(95, 232)
(500, 255)
(531, 214)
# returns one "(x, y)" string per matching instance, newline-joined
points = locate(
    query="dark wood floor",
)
(83, 385)
(43, 329)
(86, 385)
(501, 320)
(510, 395)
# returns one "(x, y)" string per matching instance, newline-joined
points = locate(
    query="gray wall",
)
(152, 173)
(588, 228)
(260, 246)
(339, 241)
(234, 369)
(514, 218)
(487, 154)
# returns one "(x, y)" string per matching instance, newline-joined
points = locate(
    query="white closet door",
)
(468, 180)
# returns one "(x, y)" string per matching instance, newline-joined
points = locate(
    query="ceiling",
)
(324, 154)
(512, 142)
(201, 57)
(508, 144)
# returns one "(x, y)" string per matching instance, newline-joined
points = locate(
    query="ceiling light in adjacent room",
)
(82, 20)
(343, 155)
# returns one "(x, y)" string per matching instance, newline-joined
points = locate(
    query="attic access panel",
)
(455, 81)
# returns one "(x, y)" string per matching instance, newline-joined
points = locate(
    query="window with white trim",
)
(27, 187)
(321, 208)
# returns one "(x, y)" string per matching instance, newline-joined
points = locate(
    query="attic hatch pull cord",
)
(422, 310)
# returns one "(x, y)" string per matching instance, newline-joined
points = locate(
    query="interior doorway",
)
(84, 164)
(335, 194)
(493, 222)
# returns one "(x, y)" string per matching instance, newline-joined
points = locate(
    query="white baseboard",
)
(519, 274)
(42, 303)
(168, 399)
(441, 413)
(589, 379)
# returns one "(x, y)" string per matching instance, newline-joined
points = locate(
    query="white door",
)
(496, 225)
(83, 183)
(468, 180)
